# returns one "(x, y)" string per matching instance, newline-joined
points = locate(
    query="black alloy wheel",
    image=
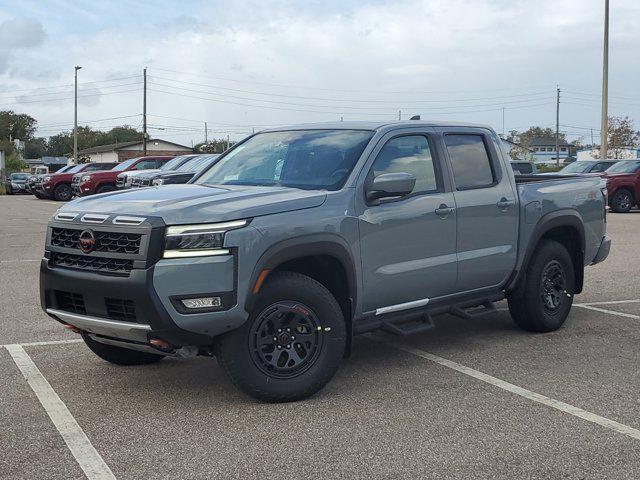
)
(553, 288)
(285, 339)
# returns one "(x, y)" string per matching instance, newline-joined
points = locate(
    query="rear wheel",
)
(105, 189)
(292, 344)
(120, 356)
(548, 291)
(63, 193)
(622, 201)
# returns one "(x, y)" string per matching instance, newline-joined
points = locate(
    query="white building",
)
(544, 151)
(117, 152)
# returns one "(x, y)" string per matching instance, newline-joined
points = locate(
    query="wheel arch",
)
(325, 258)
(565, 227)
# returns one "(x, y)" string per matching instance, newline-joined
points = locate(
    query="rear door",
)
(408, 244)
(486, 207)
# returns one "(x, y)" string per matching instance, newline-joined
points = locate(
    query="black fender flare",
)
(560, 218)
(304, 246)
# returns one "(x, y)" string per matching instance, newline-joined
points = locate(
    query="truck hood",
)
(184, 204)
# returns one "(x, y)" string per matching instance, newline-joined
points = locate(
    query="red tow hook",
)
(161, 345)
(71, 327)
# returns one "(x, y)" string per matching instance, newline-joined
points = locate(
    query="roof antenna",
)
(415, 117)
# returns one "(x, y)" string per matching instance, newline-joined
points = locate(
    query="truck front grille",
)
(70, 302)
(98, 264)
(112, 242)
(120, 309)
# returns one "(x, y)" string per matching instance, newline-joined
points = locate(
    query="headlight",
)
(198, 240)
(14, 185)
(85, 178)
(158, 181)
(46, 179)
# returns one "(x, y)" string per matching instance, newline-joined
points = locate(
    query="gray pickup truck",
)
(299, 238)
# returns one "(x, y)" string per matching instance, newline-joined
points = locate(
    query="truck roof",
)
(371, 125)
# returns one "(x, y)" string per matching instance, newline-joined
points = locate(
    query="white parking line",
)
(20, 260)
(612, 302)
(522, 392)
(83, 451)
(50, 342)
(610, 312)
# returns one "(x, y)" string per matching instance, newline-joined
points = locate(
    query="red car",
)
(623, 185)
(105, 181)
(57, 186)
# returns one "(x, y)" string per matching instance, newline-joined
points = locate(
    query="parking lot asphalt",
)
(471, 399)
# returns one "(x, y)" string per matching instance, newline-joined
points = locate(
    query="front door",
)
(486, 210)
(408, 244)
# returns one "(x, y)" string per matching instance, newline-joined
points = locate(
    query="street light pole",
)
(604, 127)
(75, 116)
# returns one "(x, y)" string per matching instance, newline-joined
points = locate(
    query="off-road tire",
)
(63, 193)
(530, 311)
(239, 355)
(105, 189)
(622, 201)
(120, 356)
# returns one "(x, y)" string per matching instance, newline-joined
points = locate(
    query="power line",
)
(67, 98)
(69, 84)
(348, 90)
(65, 92)
(253, 92)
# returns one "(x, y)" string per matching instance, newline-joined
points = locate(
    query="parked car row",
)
(92, 178)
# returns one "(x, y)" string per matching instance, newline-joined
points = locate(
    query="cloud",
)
(345, 52)
(17, 34)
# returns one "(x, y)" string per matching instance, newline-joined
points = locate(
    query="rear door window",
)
(470, 161)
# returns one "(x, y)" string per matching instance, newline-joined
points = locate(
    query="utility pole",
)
(558, 127)
(75, 116)
(399, 114)
(144, 114)
(227, 142)
(503, 123)
(206, 138)
(604, 127)
(592, 144)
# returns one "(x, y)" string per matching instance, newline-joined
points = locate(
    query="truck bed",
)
(576, 195)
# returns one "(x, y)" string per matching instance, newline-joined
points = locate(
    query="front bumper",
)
(154, 294)
(603, 251)
(83, 188)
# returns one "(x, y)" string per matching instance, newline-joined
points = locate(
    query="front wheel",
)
(118, 355)
(292, 344)
(548, 291)
(63, 193)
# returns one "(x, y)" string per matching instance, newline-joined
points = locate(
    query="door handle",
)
(443, 210)
(503, 204)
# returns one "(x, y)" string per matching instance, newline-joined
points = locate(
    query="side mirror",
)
(390, 185)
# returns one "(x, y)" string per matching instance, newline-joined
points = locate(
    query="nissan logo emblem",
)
(87, 241)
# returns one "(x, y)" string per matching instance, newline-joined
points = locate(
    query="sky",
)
(245, 65)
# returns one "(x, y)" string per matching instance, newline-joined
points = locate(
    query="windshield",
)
(576, 167)
(307, 159)
(124, 165)
(19, 176)
(625, 167)
(65, 169)
(75, 169)
(199, 163)
(174, 163)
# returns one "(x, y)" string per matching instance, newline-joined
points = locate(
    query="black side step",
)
(408, 326)
(475, 312)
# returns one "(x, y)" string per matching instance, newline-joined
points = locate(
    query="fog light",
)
(204, 302)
